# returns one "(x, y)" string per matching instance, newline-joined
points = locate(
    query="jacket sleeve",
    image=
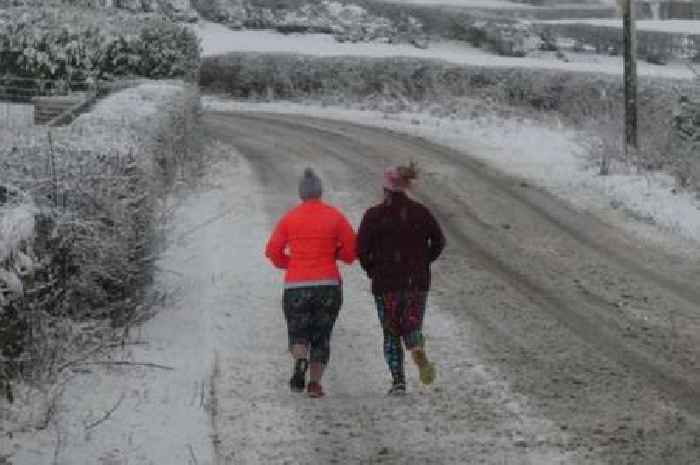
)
(277, 245)
(346, 242)
(365, 239)
(436, 239)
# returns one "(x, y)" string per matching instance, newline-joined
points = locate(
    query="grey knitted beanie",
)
(310, 186)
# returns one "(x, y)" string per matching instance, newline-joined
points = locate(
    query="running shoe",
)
(397, 389)
(426, 369)
(314, 390)
(427, 373)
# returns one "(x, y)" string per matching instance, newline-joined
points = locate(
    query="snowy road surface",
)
(558, 339)
(551, 330)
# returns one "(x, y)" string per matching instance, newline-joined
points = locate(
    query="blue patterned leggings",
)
(401, 316)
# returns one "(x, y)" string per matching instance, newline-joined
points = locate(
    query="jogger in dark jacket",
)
(397, 241)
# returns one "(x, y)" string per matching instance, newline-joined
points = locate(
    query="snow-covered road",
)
(534, 367)
(470, 413)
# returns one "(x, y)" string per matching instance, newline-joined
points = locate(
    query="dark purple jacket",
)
(397, 241)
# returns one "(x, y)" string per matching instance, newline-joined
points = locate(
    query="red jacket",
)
(308, 241)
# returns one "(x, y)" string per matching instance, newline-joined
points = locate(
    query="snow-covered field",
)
(494, 4)
(218, 39)
(467, 3)
(16, 115)
(671, 25)
(549, 156)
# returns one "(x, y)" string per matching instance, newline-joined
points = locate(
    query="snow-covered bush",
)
(657, 47)
(178, 10)
(97, 186)
(17, 263)
(232, 12)
(502, 36)
(346, 21)
(77, 45)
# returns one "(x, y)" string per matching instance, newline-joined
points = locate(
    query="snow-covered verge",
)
(217, 40)
(98, 187)
(147, 399)
(543, 153)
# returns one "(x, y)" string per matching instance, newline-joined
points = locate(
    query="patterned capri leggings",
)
(311, 313)
(401, 315)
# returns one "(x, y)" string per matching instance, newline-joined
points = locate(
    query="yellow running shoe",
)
(426, 369)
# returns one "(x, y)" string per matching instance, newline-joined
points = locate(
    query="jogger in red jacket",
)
(307, 243)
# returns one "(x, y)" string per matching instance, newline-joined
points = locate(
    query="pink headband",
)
(393, 181)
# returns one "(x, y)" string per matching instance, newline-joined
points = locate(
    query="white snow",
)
(16, 226)
(559, 165)
(260, 421)
(16, 115)
(223, 333)
(496, 4)
(159, 414)
(218, 39)
(145, 95)
(671, 25)
(468, 3)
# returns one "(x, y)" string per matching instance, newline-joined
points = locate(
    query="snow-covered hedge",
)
(503, 36)
(295, 76)
(588, 101)
(77, 45)
(16, 235)
(654, 46)
(17, 262)
(97, 187)
(347, 21)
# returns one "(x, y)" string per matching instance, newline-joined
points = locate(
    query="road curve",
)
(600, 331)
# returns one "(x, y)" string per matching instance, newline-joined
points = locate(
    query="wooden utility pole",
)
(630, 45)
